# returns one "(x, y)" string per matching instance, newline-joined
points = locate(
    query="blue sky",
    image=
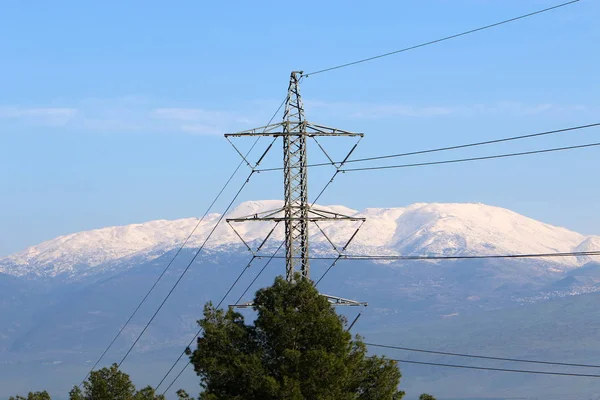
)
(112, 112)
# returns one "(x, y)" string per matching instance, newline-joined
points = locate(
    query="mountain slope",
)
(419, 229)
(59, 326)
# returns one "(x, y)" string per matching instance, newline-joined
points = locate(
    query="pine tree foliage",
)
(111, 384)
(297, 348)
(32, 396)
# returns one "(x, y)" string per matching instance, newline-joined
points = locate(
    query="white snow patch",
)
(418, 229)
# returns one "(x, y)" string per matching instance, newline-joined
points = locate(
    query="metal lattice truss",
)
(296, 213)
(315, 216)
(335, 300)
(311, 131)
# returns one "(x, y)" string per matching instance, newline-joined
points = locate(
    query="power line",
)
(185, 270)
(203, 244)
(328, 269)
(415, 258)
(475, 257)
(273, 256)
(438, 40)
(259, 273)
(439, 149)
(200, 331)
(460, 160)
(462, 146)
(523, 371)
(243, 271)
(364, 60)
(170, 262)
(483, 357)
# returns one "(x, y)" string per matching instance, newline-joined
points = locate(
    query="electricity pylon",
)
(297, 213)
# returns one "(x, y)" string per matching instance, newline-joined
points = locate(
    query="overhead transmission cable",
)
(461, 160)
(444, 353)
(273, 256)
(218, 305)
(200, 248)
(184, 243)
(380, 56)
(254, 169)
(439, 149)
(423, 258)
(523, 371)
(200, 331)
(259, 273)
(391, 257)
(439, 40)
(462, 146)
(184, 271)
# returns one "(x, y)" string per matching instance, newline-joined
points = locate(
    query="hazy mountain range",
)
(419, 229)
(62, 301)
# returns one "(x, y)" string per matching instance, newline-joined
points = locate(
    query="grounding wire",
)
(523, 371)
(462, 146)
(422, 350)
(184, 271)
(200, 330)
(414, 258)
(351, 257)
(460, 160)
(203, 244)
(259, 273)
(254, 257)
(434, 150)
(273, 256)
(439, 40)
(270, 259)
(176, 254)
(482, 357)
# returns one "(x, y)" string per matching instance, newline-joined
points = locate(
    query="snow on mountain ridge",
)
(92, 248)
(478, 229)
(418, 229)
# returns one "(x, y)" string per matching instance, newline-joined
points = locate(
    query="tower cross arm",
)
(267, 130)
(311, 130)
(322, 130)
(283, 218)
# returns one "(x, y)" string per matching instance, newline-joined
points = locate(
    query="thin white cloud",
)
(519, 108)
(126, 115)
(52, 116)
(377, 111)
(193, 120)
(356, 110)
(139, 115)
(199, 129)
(189, 114)
(402, 111)
(202, 121)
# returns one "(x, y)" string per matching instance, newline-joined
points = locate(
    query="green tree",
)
(147, 393)
(182, 395)
(426, 396)
(111, 384)
(32, 396)
(76, 394)
(297, 348)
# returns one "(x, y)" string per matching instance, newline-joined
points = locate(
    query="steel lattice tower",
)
(295, 182)
(297, 213)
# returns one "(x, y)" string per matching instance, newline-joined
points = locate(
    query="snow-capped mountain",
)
(94, 280)
(418, 229)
